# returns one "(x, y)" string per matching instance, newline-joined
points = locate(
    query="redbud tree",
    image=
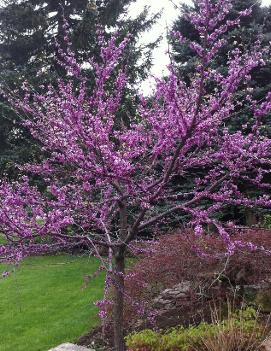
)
(106, 180)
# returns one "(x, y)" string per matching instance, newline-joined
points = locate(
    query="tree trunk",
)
(119, 282)
(119, 300)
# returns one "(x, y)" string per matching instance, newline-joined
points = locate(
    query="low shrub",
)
(239, 332)
(175, 258)
(267, 221)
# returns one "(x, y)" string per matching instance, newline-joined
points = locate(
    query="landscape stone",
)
(266, 345)
(168, 297)
(70, 347)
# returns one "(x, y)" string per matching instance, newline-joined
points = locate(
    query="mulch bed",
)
(97, 339)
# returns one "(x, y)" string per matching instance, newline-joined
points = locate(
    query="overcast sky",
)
(161, 60)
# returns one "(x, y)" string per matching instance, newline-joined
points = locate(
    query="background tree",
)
(106, 185)
(248, 31)
(29, 30)
(250, 28)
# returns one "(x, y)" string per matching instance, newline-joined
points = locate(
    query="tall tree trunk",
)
(119, 282)
(119, 300)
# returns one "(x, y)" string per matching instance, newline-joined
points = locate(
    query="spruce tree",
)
(29, 30)
(251, 28)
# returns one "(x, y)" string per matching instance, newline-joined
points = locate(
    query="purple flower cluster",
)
(103, 306)
(5, 274)
(98, 166)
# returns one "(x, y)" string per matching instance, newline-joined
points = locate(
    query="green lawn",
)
(42, 303)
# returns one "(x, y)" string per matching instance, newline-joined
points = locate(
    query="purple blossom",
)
(5, 274)
(98, 166)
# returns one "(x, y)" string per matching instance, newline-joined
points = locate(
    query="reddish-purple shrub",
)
(176, 258)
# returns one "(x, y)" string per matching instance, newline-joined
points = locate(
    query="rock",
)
(253, 288)
(70, 347)
(180, 289)
(180, 295)
(169, 297)
(266, 345)
(161, 301)
(263, 299)
(184, 286)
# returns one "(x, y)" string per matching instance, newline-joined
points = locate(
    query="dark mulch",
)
(97, 339)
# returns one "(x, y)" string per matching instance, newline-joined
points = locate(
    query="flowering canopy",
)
(108, 180)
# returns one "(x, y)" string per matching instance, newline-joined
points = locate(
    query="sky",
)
(160, 59)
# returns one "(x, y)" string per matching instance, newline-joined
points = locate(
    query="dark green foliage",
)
(28, 32)
(240, 330)
(251, 28)
(15, 143)
(29, 28)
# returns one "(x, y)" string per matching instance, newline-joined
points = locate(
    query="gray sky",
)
(161, 60)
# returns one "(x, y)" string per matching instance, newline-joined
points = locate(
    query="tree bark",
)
(119, 281)
(119, 343)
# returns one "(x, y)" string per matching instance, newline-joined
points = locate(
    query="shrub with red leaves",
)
(175, 258)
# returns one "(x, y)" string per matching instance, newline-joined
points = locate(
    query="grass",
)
(42, 303)
(2, 239)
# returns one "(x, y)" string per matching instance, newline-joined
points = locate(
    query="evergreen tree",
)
(29, 30)
(251, 28)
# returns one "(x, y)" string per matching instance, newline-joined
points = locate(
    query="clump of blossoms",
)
(107, 180)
